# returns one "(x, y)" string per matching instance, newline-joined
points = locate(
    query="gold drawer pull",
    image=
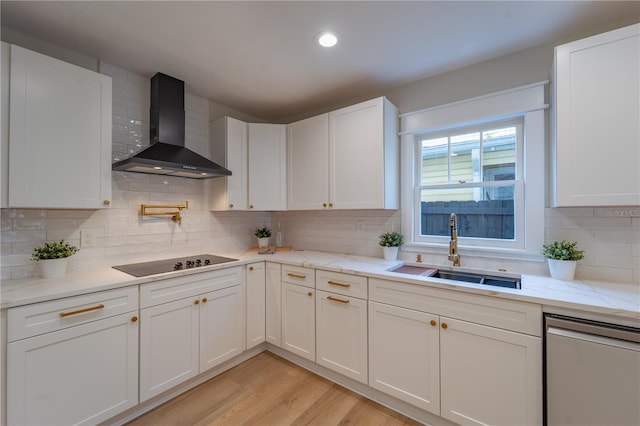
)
(251, 268)
(291, 274)
(335, 299)
(81, 311)
(444, 325)
(433, 323)
(310, 294)
(339, 284)
(134, 319)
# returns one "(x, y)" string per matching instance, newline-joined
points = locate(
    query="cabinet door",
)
(404, 358)
(597, 120)
(299, 320)
(59, 134)
(489, 376)
(363, 156)
(267, 167)
(273, 304)
(255, 304)
(229, 148)
(341, 327)
(221, 326)
(168, 345)
(308, 163)
(80, 375)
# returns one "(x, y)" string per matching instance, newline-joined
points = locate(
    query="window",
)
(473, 172)
(484, 159)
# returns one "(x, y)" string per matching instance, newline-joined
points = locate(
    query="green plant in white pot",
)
(263, 235)
(53, 257)
(390, 242)
(562, 257)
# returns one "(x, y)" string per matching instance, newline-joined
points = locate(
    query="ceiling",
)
(260, 57)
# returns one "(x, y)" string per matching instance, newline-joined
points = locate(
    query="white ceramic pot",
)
(53, 268)
(562, 269)
(390, 253)
(263, 242)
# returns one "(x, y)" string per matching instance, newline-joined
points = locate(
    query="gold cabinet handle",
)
(310, 294)
(335, 299)
(250, 206)
(81, 311)
(251, 268)
(339, 284)
(324, 204)
(106, 202)
(291, 274)
(433, 323)
(204, 300)
(134, 319)
(330, 204)
(231, 205)
(444, 325)
(196, 302)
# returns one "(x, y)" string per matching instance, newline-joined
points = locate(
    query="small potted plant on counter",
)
(53, 258)
(562, 257)
(390, 242)
(263, 235)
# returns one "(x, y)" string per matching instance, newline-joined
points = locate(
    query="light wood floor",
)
(268, 390)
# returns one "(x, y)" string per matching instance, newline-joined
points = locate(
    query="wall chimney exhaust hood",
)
(167, 154)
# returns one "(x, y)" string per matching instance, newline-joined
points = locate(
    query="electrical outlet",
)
(86, 238)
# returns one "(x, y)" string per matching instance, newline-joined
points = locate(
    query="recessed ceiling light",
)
(327, 39)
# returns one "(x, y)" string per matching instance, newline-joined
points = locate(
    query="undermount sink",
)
(463, 276)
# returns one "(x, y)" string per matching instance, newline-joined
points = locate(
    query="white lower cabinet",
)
(404, 355)
(182, 338)
(298, 320)
(489, 376)
(256, 302)
(84, 372)
(465, 371)
(341, 334)
(273, 303)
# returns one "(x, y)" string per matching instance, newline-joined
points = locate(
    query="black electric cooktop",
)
(169, 265)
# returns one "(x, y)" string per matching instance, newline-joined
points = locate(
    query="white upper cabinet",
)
(59, 134)
(363, 156)
(229, 148)
(597, 120)
(267, 166)
(347, 159)
(308, 163)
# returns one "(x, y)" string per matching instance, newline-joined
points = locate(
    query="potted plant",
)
(390, 242)
(562, 257)
(53, 258)
(263, 235)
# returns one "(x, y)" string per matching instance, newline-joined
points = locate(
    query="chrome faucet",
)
(454, 256)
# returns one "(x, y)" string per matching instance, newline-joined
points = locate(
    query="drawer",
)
(337, 282)
(510, 315)
(163, 291)
(39, 318)
(299, 275)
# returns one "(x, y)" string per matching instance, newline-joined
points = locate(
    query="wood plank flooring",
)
(270, 391)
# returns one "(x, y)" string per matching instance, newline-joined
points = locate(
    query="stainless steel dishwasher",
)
(592, 373)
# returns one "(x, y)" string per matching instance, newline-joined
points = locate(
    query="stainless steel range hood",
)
(167, 154)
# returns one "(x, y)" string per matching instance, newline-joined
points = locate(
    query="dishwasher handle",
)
(592, 328)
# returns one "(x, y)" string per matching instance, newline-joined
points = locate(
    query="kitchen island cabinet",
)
(59, 134)
(596, 143)
(346, 159)
(74, 360)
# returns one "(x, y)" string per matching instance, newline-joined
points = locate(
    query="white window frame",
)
(526, 102)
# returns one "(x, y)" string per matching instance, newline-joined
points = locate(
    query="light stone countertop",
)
(621, 301)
